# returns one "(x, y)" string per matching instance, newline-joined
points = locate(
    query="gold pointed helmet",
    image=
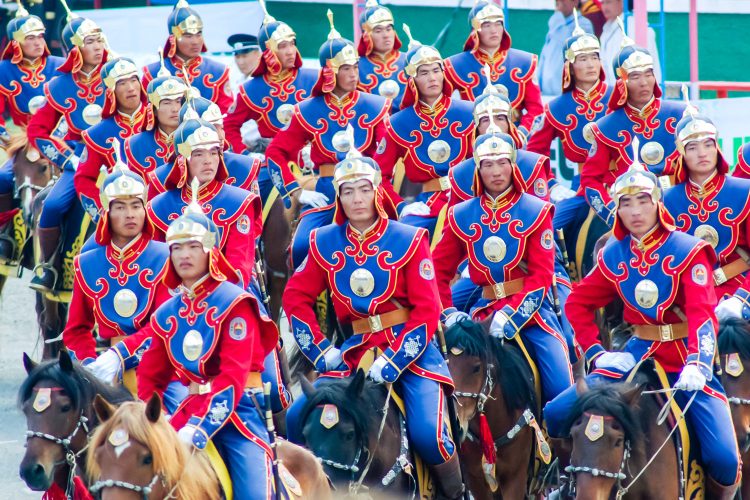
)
(636, 180)
(122, 183)
(193, 225)
(355, 166)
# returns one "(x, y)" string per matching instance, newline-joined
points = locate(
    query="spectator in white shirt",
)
(612, 35)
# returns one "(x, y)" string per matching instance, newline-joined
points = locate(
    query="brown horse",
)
(734, 353)
(614, 434)
(32, 172)
(492, 378)
(136, 448)
(56, 399)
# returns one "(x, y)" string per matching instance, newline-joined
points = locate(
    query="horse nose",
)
(35, 477)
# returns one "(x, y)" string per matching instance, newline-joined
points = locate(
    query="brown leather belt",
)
(253, 382)
(726, 273)
(380, 322)
(661, 333)
(440, 184)
(502, 290)
(115, 340)
(326, 170)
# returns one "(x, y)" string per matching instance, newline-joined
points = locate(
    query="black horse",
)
(341, 422)
(57, 400)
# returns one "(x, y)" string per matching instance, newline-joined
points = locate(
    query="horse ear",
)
(581, 386)
(153, 408)
(632, 395)
(103, 409)
(29, 364)
(307, 388)
(357, 385)
(66, 362)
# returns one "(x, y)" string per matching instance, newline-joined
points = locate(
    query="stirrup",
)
(39, 274)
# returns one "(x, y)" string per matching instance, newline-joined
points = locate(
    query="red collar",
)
(200, 289)
(711, 185)
(205, 192)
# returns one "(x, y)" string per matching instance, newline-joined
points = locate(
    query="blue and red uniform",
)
(513, 68)
(510, 247)
(213, 337)
(742, 169)
(381, 74)
(664, 281)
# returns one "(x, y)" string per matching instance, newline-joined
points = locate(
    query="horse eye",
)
(65, 408)
(349, 436)
(477, 368)
(148, 460)
(618, 443)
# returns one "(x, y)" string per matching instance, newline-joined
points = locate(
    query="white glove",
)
(498, 324)
(376, 370)
(313, 198)
(333, 358)
(729, 308)
(74, 161)
(558, 193)
(455, 317)
(250, 133)
(622, 361)
(416, 208)
(106, 366)
(186, 434)
(691, 379)
(465, 272)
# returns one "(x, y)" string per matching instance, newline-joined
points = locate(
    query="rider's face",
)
(700, 157)
(638, 213)
(203, 164)
(347, 77)
(126, 218)
(501, 121)
(33, 46)
(93, 50)
(189, 45)
(128, 94)
(496, 175)
(383, 39)
(168, 113)
(586, 68)
(358, 201)
(190, 261)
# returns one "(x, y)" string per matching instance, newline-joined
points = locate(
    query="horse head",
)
(734, 353)
(135, 454)
(56, 401)
(341, 423)
(603, 428)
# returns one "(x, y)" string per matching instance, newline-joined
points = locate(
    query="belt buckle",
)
(499, 289)
(665, 332)
(204, 388)
(375, 324)
(719, 276)
(445, 183)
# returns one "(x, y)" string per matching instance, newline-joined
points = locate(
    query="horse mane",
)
(516, 379)
(190, 472)
(734, 336)
(17, 142)
(79, 385)
(609, 400)
(360, 410)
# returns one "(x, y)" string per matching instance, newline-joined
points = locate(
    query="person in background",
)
(612, 35)
(561, 26)
(246, 56)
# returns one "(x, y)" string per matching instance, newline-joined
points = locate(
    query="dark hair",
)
(79, 385)
(734, 336)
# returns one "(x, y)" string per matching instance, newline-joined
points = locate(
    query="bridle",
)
(71, 457)
(145, 491)
(484, 393)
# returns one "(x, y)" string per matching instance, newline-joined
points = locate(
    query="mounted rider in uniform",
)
(382, 282)
(664, 278)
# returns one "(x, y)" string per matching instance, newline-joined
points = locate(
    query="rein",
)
(145, 491)
(738, 401)
(484, 393)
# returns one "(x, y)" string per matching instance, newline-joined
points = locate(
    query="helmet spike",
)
(21, 12)
(626, 40)
(267, 18)
(70, 14)
(182, 4)
(353, 151)
(577, 31)
(412, 41)
(163, 71)
(333, 34)
(637, 165)
(371, 3)
(492, 128)
(689, 108)
(194, 206)
(119, 164)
